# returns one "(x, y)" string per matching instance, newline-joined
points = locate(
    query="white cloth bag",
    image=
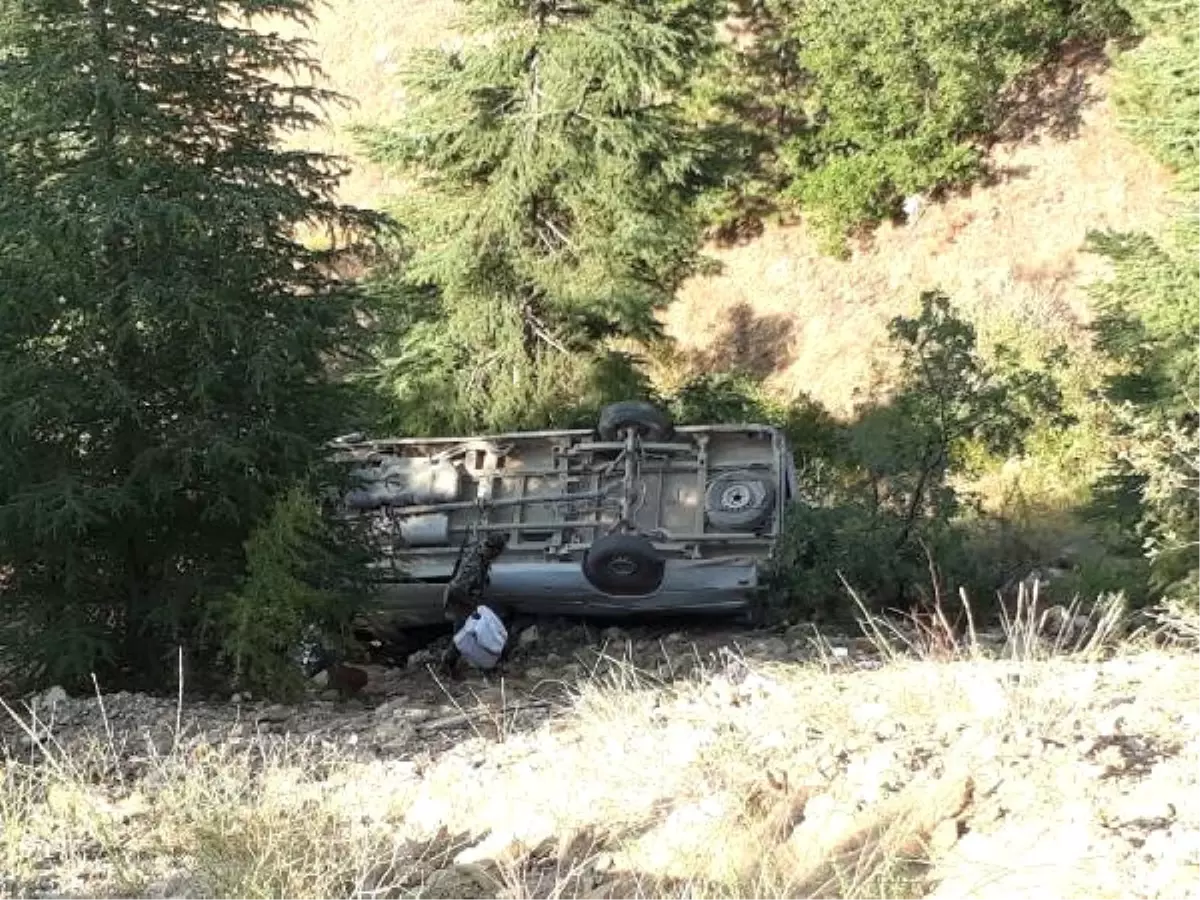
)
(482, 638)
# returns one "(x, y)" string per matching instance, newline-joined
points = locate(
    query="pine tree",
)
(749, 104)
(1150, 311)
(166, 340)
(551, 211)
(1150, 308)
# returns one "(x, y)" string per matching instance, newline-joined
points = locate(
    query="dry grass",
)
(1032, 630)
(827, 778)
(1009, 254)
(221, 820)
(360, 47)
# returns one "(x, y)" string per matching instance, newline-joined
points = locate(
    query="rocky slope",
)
(631, 764)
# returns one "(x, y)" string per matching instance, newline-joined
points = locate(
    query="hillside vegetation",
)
(938, 244)
(1011, 251)
(949, 247)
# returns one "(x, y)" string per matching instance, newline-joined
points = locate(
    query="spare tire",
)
(624, 565)
(739, 501)
(651, 423)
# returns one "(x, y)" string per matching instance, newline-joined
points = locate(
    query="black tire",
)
(625, 565)
(652, 423)
(739, 501)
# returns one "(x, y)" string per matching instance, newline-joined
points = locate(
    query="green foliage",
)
(750, 101)
(1158, 85)
(436, 379)
(167, 343)
(901, 95)
(303, 571)
(846, 108)
(552, 178)
(1148, 319)
(1095, 19)
(889, 504)
(950, 399)
(1165, 459)
(1150, 310)
(814, 436)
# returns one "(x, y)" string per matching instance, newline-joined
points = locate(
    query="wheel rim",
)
(736, 497)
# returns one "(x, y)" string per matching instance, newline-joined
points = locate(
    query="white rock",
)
(912, 206)
(987, 697)
(1143, 806)
(871, 773)
(867, 714)
(1026, 859)
(825, 824)
(944, 835)
(817, 809)
(274, 713)
(529, 637)
(773, 648)
(51, 697)
(177, 886)
(498, 847)
(36, 736)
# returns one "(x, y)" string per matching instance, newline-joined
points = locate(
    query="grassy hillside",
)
(360, 46)
(1010, 253)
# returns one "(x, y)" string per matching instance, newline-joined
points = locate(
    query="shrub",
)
(305, 576)
(903, 96)
(893, 505)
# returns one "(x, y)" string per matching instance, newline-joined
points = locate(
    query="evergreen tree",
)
(1150, 312)
(551, 211)
(166, 341)
(750, 104)
(1150, 308)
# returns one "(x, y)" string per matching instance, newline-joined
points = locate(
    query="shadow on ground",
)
(750, 343)
(1050, 100)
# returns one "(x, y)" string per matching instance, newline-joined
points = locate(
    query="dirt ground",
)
(623, 763)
